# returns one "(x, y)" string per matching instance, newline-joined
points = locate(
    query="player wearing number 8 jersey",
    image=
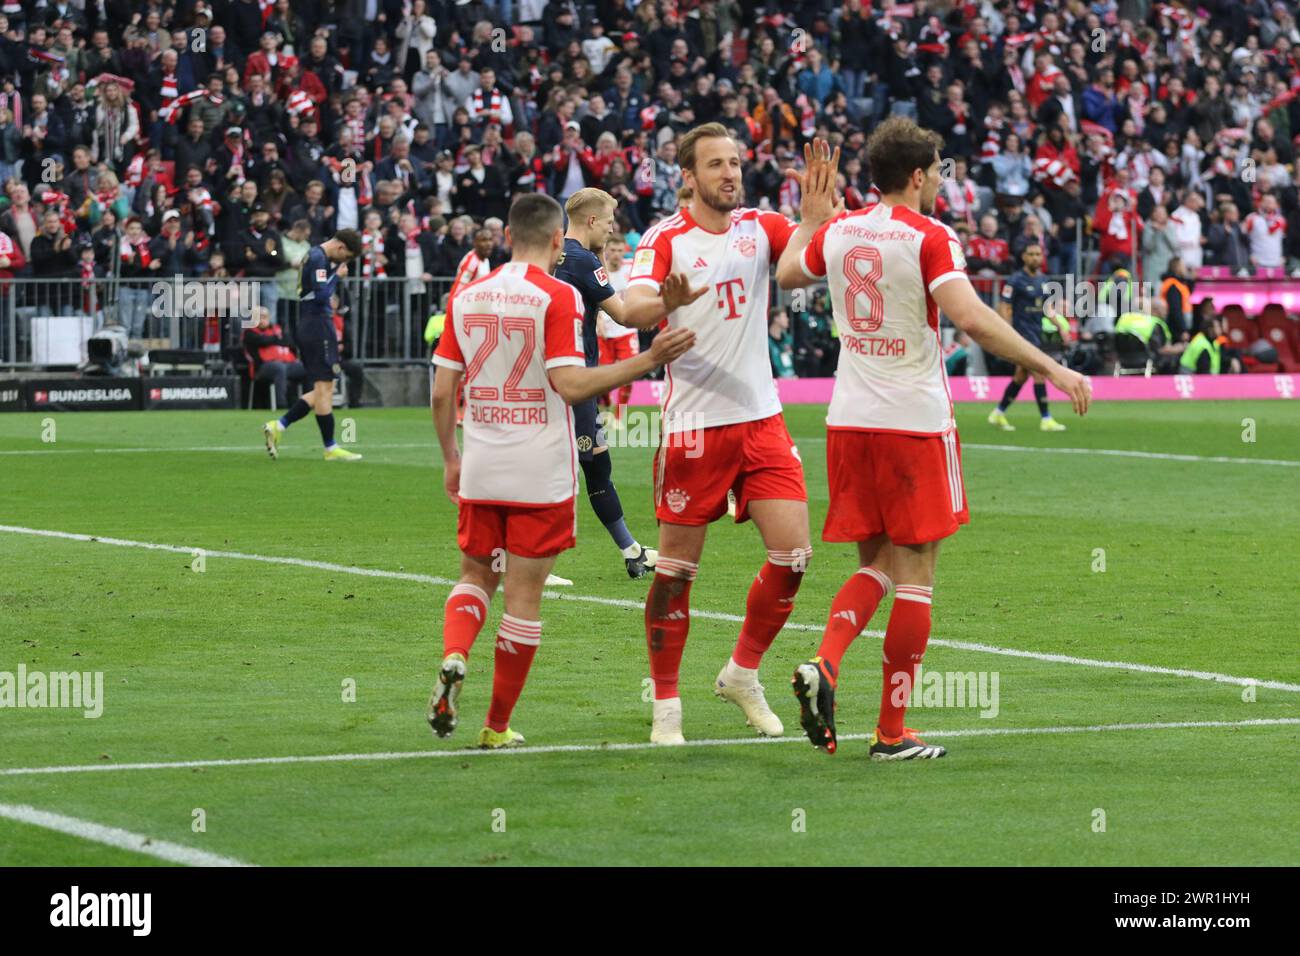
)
(515, 339)
(722, 424)
(893, 460)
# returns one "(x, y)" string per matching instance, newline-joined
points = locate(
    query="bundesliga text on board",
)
(217, 393)
(78, 396)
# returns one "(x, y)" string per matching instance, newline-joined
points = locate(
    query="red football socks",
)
(463, 617)
(771, 599)
(905, 639)
(517, 642)
(667, 620)
(851, 610)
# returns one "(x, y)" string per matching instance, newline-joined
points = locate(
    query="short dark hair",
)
(534, 217)
(897, 148)
(351, 239)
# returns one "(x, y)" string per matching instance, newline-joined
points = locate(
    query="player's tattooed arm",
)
(818, 205)
(643, 309)
(959, 301)
(446, 385)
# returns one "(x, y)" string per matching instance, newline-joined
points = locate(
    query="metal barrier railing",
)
(384, 317)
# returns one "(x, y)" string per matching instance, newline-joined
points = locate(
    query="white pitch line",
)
(640, 606)
(620, 748)
(159, 449)
(1125, 453)
(113, 836)
(806, 439)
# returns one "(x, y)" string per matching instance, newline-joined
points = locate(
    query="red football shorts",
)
(615, 350)
(529, 531)
(694, 470)
(906, 486)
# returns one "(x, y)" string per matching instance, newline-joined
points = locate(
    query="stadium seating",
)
(1281, 332)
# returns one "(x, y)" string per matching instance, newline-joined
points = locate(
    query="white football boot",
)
(741, 687)
(667, 727)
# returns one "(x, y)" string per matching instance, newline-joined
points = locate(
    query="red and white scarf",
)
(172, 111)
(372, 247)
(128, 249)
(494, 105)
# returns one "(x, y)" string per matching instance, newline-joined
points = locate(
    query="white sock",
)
(632, 550)
(736, 674)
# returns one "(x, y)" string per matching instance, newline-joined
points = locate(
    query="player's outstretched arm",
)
(817, 206)
(446, 384)
(959, 301)
(639, 308)
(579, 384)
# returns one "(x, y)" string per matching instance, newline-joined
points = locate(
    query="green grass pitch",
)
(251, 659)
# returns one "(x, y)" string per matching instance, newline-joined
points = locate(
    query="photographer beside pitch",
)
(516, 339)
(893, 460)
(318, 343)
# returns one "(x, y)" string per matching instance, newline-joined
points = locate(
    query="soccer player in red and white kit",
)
(722, 423)
(893, 460)
(515, 338)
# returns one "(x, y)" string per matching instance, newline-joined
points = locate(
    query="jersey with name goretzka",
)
(505, 331)
(727, 377)
(882, 263)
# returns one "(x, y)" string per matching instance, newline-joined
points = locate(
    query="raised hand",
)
(817, 184)
(677, 292)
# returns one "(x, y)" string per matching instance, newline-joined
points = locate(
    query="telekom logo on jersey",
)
(731, 296)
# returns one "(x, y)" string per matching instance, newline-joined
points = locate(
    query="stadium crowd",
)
(225, 138)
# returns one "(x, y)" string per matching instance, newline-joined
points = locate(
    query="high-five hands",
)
(818, 202)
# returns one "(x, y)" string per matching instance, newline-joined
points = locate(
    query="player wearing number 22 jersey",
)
(514, 339)
(722, 426)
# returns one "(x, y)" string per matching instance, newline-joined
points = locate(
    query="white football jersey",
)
(727, 377)
(881, 264)
(609, 329)
(504, 332)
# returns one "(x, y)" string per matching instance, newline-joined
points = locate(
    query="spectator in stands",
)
(780, 345)
(1228, 245)
(1266, 230)
(1189, 231)
(261, 254)
(137, 266)
(1159, 244)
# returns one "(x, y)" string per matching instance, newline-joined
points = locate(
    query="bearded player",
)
(722, 423)
(515, 337)
(893, 459)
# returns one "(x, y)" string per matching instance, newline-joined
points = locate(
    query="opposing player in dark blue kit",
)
(318, 344)
(591, 223)
(1022, 305)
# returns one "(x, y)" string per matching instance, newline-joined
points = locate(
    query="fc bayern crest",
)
(747, 247)
(677, 500)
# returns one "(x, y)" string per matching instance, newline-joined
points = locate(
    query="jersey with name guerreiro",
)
(882, 263)
(317, 281)
(504, 332)
(727, 377)
(582, 270)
